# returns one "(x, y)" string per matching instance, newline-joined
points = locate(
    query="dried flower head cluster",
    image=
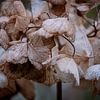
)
(47, 47)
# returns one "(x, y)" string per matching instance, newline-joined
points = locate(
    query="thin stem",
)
(70, 43)
(59, 91)
(47, 14)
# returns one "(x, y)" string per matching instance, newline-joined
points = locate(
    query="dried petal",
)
(4, 39)
(4, 19)
(58, 25)
(64, 77)
(21, 23)
(81, 42)
(16, 54)
(20, 8)
(93, 72)
(16, 26)
(38, 7)
(13, 33)
(41, 32)
(83, 7)
(37, 55)
(13, 7)
(68, 65)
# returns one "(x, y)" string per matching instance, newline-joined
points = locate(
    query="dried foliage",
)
(48, 44)
(93, 72)
(16, 54)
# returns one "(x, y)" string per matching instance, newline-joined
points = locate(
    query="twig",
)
(59, 91)
(70, 43)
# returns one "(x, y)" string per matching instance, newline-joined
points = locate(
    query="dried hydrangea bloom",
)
(93, 72)
(63, 65)
(4, 39)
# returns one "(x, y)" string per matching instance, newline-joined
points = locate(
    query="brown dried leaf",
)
(48, 42)
(4, 39)
(35, 40)
(82, 60)
(13, 33)
(37, 55)
(16, 26)
(21, 23)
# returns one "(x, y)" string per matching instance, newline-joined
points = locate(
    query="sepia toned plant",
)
(45, 44)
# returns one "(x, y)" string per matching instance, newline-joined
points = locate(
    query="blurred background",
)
(43, 92)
